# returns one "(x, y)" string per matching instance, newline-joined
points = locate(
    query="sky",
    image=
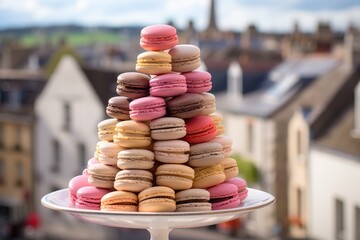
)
(268, 15)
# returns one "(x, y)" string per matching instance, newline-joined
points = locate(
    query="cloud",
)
(268, 15)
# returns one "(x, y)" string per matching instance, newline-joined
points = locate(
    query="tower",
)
(211, 32)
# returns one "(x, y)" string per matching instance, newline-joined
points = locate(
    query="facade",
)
(298, 176)
(68, 111)
(18, 90)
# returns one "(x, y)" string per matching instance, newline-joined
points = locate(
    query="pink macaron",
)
(147, 108)
(75, 184)
(241, 185)
(90, 197)
(200, 129)
(168, 85)
(198, 81)
(224, 196)
(158, 37)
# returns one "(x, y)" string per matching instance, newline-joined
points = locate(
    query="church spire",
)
(212, 18)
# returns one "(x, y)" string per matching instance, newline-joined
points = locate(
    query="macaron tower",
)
(162, 148)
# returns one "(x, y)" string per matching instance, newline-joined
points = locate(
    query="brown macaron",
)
(133, 85)
(187, 105)
(118, 107)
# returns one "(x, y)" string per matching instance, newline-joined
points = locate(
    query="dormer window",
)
(67, 116)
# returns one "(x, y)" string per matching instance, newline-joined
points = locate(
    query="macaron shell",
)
(157, 199)
(147, 108)
(200, 129)
(90, 197)
(185, 58)
(206, 154)
(208, 176)
(102, 176)
(226, 142)
(167, 128)
(209, 103)
(198, 81)
(193, 199)
(119, 201)
(193, 207)
(241, 185)
(175, 176)
(118, 107)
(230, 167)
(168, 85)
(158, 37)
(133, 180)
(153, 63)
(75, 184)
(135, 159)
(133, 85)
(171, 151)
(187, 105)
(224, 196)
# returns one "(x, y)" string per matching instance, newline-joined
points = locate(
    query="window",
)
(299, 205)
(339, 220)
(67, 116)
(2, 172)
(357, 223)
(17, 146)
(2, 135)
(82, 156)
(19, 174)
(298, 143)
(56, 156)
(250, 136)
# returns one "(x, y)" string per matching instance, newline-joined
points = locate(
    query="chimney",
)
(234, 82)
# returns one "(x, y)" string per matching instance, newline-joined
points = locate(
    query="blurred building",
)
(68, 111)
(18, 91)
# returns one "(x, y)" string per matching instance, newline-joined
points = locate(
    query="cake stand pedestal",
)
(158, 224)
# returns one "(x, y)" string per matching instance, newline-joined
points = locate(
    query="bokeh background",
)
(285, 75)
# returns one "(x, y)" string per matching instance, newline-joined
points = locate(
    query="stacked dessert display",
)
(163, 148)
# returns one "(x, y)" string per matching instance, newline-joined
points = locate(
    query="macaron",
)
(168, 85)
(226, 143)
(175, 176)
(198, 81)
(75, 184)
(118, 107)
(200, 129)
(90, 197)
(96, 152)
(224, 196)
(192, 200)
(206, 154)
(209, 176)
(157, 199)
(187, 105)
(119, 201)
(90, 162)
(158, 37)
(185, 58)
(241, 185)
(106, 129)
(153, 63)
(171, 151)
(133, 180)
(135, 159)
(132, 134)
(209, 103)
(230, 167)
(102, 176)
(147, 108)
(108, 152)
(167, 128)
(217, 118)
(133, 85)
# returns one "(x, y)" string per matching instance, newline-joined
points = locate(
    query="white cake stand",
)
(158, 224)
